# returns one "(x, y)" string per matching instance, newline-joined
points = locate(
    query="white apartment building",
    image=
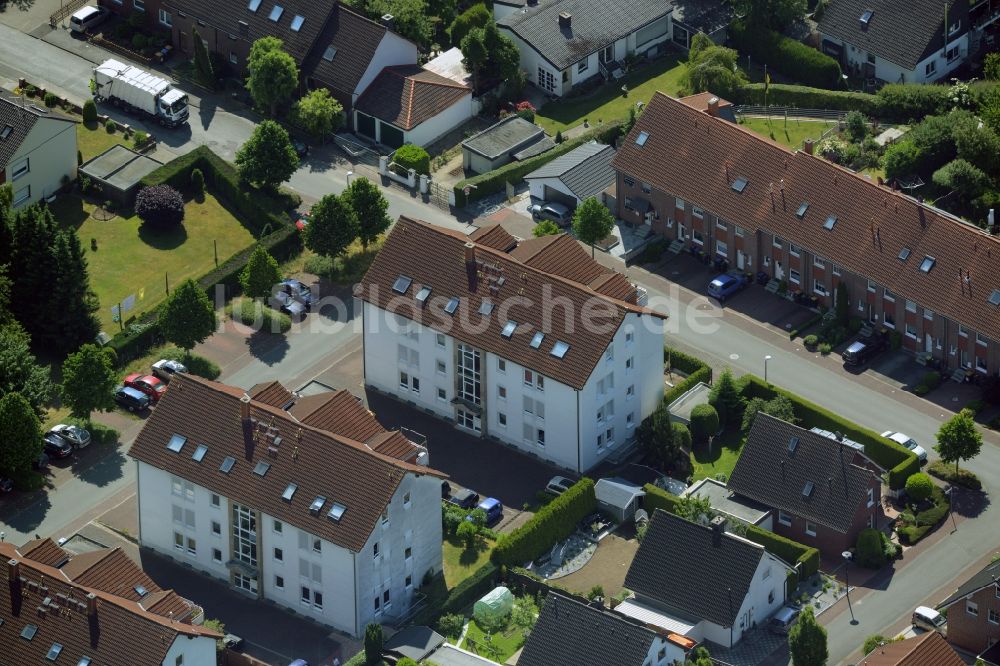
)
(259, 490)
(37, 149)
(492, 334)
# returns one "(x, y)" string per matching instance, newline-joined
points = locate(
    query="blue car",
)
(493, 509)
(726, 285)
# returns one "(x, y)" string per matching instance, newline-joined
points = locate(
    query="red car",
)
(147, 384)
(303, 220)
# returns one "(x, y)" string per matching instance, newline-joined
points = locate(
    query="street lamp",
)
(350, 174)
(847, 581)
(766, 359)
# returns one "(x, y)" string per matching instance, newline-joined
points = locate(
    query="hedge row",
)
(790, 57)
(695, 369)
(554, 522)
(470, 590)
(900, 462)
(678, 360)
(804, 97)
(658, 498)
(495, 181)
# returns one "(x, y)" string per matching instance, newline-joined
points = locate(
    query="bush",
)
(196, 364)
(413, 157)
(704, 423)
(976, 406)
(160, 206)
(909, 102)
(469, 590)
(810, 340)
(317, 264)
(825, 348)
(140, 139)
(931, 379)
(197, 182)
(553, 522)
(682, 435)
(869, 553)
(110, 126)
(254, 313)
(946, 472)
(793, 58)
(805, 97)
(451, 625)
(658, 498)
(50, 99)
(468, 533)
(139, 41)
(919, 487)
(89, 111)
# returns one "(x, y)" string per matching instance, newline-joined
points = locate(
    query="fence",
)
(67, 9)
(783, 111)
(358, 152)
(119, 49)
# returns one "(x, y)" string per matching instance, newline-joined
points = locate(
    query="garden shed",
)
(118, 172)
(618, 498)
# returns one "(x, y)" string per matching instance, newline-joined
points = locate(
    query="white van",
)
(86, 18)
(929, 619)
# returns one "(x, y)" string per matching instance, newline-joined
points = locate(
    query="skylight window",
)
(227, 464)
(995, 297)
(329, 54)
(199, 453)
(801, 212)
(5, 132)
(176, 443)
(508, 328)
(423, 295)
(54, 652)
(536, 341)
(140, 590)
(641, 139)
(866, 18)
(336, 512)
(904, 254)
(807, 490)
(559, 349)
(276, 13)
(792, 443)
(830, 223)
(289, 492)
(927, 264)
(401, 284)
(84, 661)
(29, 631)
(451, 305)
(254, 5)
(317, 504)
(739, 184)
(261, 468)
(486, 307)
(297, 22)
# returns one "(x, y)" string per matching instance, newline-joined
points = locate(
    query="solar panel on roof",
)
(560, 348)
(227, 464)
(536, 340)
(176, 443)
(401, 284)
(336, 511)
(452, 305)
(261, 468)
(199, 452)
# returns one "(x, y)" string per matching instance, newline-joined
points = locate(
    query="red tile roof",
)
(927, 649)
(45, 551)
(319, 462)
(271, 393)
(435, 257)
(694, 156)
(407, 95)
(561, 254)
(495, 236)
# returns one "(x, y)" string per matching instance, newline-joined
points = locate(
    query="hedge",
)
(470, 590)
(793, 58)
(697, 371)
(554, 522)
(658, 498)
(804, 97)
(900, 462)
(678, 360)
(491, 182)
(963, 477)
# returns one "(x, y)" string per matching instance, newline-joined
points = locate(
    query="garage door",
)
(553, 195)
(390, 136)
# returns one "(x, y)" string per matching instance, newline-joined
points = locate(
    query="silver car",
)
(76, 436)
(287, 304)
(556, 212)
(166, 368)
(907, 442)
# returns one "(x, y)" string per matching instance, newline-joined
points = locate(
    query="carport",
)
(618, 498)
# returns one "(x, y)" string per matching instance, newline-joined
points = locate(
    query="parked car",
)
(907, 442)
(75, 435)
(285, 303)
(303, 221)
(147, 384)
(131, 399)
(301, 148)
(869, 344)
(493, 509)
(556, 212)
(445, 490)
(929, 619)
(727, 284)
(464, 498)
(233, 642)
(56, 446)
(299, 662)
(299, 291)
(86, 18)
(6, 485)
(557, 485)
(166, 368)
(783, 620)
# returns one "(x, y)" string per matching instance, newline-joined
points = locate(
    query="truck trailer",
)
(141, 93)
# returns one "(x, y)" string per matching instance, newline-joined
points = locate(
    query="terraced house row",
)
(707, 182)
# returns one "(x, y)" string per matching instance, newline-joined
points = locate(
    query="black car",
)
(465, 499)
(869, 344)
(131, 399)
(56, 446)
(301, 148)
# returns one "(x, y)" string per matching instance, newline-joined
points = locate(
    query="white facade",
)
(434, 127)
(392, 50)
(191, 651)
(935, 67)
(574, 429)
(294, 568)
(44, 159)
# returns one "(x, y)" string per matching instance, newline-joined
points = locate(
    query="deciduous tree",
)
(88, 381)
(273, 74)
(592, 222)
(318, 113)
(807, 641)
(411, 18)
(370, 207)
(22, 437)
(958, 438)
(332, 228)
(775, 14)
(475, 16)
(187, 317)
(260, 274)
(268, 157)
(712, 68)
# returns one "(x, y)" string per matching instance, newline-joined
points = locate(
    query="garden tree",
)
(545, 228)
(186, 317)
(374, 640)
(468, 533)
(933, 137)
(268, 157)
(88, 381)
(958, 438)
(474, 53)
(160, 206)
(775, 14)
(694, 508)
(32, 239)
(451, 625)
(90, 112)
(857, 126)
(370, 207)
(19, 372)
(704, 423)
(807, 641)
(475, 16)
(963, 179)
(489, 53)
(869, 551)
(260, 274)
(991, 66)
(273, 74)
(656, 438)
(700, 657)
(318, 113)
(919, 487)
(412, 19)
(779, 407)
(22, 435)
(902, 159)
(682, 438)
(592, 222)
(197, 182)
(875, 641)
(842, 304)
(332, 228)
(202, 63)
(726, 398)
(525, 613)
(712, 68)
(442, 13)
(71, 304)
(979, 145)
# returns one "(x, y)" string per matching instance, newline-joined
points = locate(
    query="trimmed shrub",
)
(197, 181)
(413, 157)
(50, 99)
(196, 364)
(825, 348)
(869, 552)
(919, 487)
(793, 58)
(140, 139)
(553, 523)
(682, 362)
(110, 126)
(704, 423)
(810, 340)
(805, 97)
(451, 625)
(254, 313)
(89, 111)
(682, 435)
(946, 472)
(471, 589)
(909, 102)
(792, 552)
(658, 498)
(704, 375)
(160, 206)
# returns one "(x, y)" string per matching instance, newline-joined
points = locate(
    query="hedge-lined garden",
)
(697, 371)
(791, 57)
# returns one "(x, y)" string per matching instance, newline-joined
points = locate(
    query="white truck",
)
(139, 92)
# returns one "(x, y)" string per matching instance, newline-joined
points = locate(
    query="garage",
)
(570, 179)
(553, 195)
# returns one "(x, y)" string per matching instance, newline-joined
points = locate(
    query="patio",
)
(607, 567)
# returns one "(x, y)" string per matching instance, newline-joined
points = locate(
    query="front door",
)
(779, 272)
(740, 260)
(647, 219)
(928, 343)
(681, 232)
(608, 54)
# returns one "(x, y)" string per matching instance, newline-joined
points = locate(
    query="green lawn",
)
(460, 563)
(721, 459)
(131, 259)
(791, 133)
(607, 102)
(499, 647)
(92, 140)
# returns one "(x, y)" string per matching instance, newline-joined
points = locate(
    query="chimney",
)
(245, 407)
(91, 604)
(807, 146)
(565, 21)
(95, 628)
(470, 264)
(839, 435)
(14, 582)
(713, 107)
(389, 21)
(718, 525)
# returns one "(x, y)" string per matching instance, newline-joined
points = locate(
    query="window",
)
(19, 169)
(404, 380)
(277, 526)
(409, 582)
(954, 27)
(721, 248)
(697, 212)
(442, 395)
(629, 337)
(375, 550)
(217, 555)
(721, 225)
(317, 600)
(385, 516)
(502, 392)
(609, 436)
(630, 363)
(439, 339)
(279, 555)
(776, 241)
(994, 617)
(406, 500)
(501, 365)
(971, 607)
(794, 277)
(961, 331)
(546, 80)
(910, 306)
(385, 598)
(911, 331)
(582, 66)
(192, 547)
(928, 314)
(178, 514)
(233, 58)
(502, 419)
(469, 375)
(441, 368)
(609, 355)
(279, 582)
(980, 340)
(697, 237)
(54, 652)
(21, 195)
(630, 392)
(317, 545)
(739, 232)
(889, 319)
(819, 288)
(872, 286)
(541, 437)
(630, 419)
(871, 497)
(165, 18)
(679, 203)
(215, 500)
(952, 53)
(835, 270)
(629, 182)
(930, 68)
(297, 23)
(408, 553)
(889, 296)
(770, 597)
(784, 518)
(646, 187)
(306, 595)
(216, 528)
(810, 528)
(794, 249)
(528, 378)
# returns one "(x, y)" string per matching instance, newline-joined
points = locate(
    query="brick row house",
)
(695, 177)
(973, 612)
